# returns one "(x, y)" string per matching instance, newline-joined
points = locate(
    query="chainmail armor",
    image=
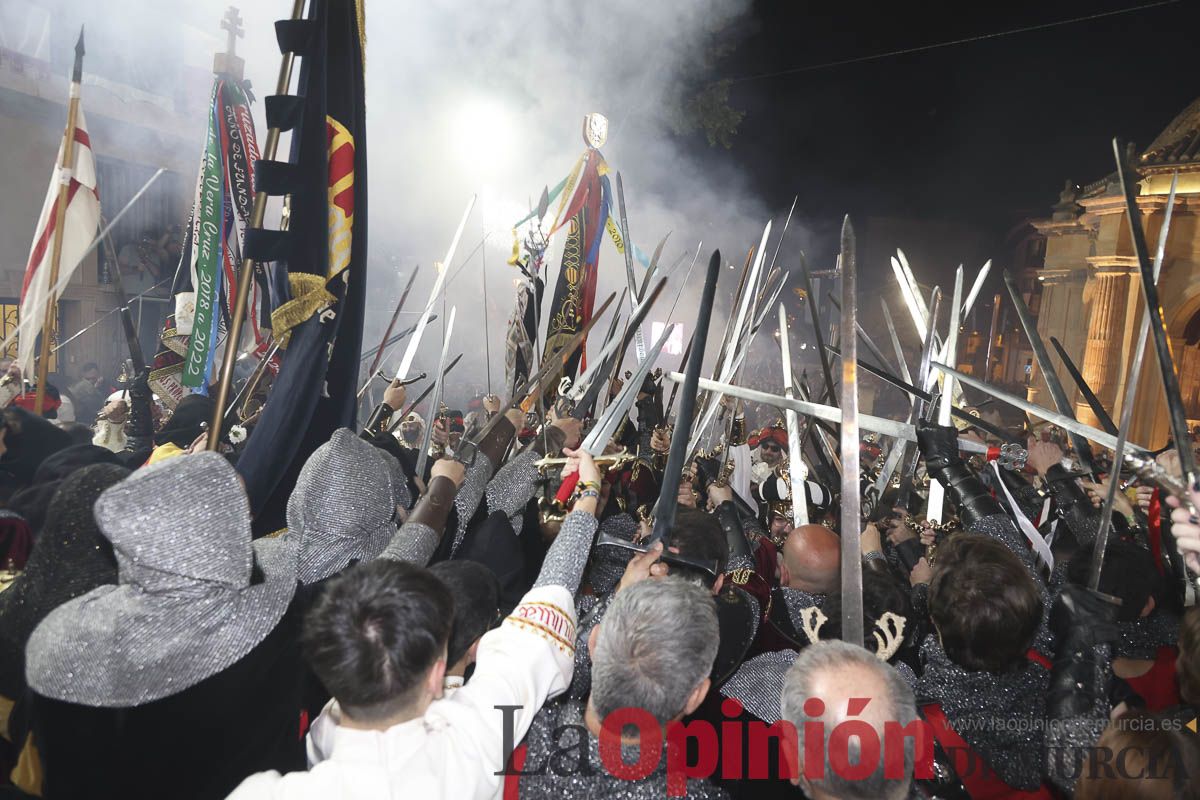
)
(184, 609)
(568, 555)
(414, 543)
(342, 508)
(470, 493)
(1000, 715)
(512, 488)
(1141, 638)
(559, 727)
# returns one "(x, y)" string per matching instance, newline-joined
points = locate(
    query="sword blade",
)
(683, 364)
(926, 397)
(438, 382)
(911, 456)
(969, 303)
(614, 415)
(639, 339)
(589, 384)
(664, 511)
(796, 470)
(897, 348)
(1102, 415)
(866, 339)
(1158, 325)
(937, 496)
(392, 324)
(1131, 382)
(851, 530)
(826, 369)
(1069, 424)
(1083, 450)
(411, 351)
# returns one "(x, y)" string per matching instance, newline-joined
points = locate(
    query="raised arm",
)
(419, 536)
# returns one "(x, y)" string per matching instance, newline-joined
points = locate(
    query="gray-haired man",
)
(834, 683)
(651, 658)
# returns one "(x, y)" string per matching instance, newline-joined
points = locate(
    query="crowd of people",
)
(460, 633)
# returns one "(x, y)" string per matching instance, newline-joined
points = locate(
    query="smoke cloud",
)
(487, 97)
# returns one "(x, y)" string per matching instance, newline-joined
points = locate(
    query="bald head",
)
(829, 682)
(812, 557)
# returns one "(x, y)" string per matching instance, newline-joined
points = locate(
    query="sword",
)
(395, 316)
(536, 383)
(866, 338)
(411, 351)
(729, 354)
(1131, 382)
(868, 422)
(852, 599)
(908, 290)
(969, 303)
(1069, 424)
(796, 469)
(937, 496)
(1162, 349)
(252, 382)
(423, 455)
(897, 348)
(757, 320)
(639, 346)
(602, 432)
(664, 511)
(912, 455)
(653, 268)
(428, 391)
(728, 332)
(1078, 443)
(826, 369)
(398, 337)
(683, 362)
(1158, 330)
(928, 397)
(487, 327)
(783, 233)
(1102, 416)
(583, 394)
(686, 280)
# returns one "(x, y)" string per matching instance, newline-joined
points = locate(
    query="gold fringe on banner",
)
(309, 295)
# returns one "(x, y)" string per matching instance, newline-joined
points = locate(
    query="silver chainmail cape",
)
(560, 741)
(999, 714)
(343, 506)
(184, 608)
(758, 683)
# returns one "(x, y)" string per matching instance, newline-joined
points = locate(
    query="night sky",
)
(982, 133)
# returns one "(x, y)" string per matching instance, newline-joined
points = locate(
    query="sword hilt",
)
(710, 567)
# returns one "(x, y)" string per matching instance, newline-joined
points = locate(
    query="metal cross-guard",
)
(466, 453)
(1013, 456)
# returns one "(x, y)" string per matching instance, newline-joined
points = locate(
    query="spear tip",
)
(77, 74)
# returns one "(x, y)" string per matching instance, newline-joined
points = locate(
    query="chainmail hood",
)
(343, 506)
(69, 558)
(187, 604)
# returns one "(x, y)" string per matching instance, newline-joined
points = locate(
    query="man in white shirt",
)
(378, 639)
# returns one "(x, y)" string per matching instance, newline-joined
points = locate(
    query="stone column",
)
(1105, 338)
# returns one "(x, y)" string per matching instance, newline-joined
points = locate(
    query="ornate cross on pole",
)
(229, 63)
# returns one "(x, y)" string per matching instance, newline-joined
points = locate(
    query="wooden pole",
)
(60, 212)
(246, 273)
